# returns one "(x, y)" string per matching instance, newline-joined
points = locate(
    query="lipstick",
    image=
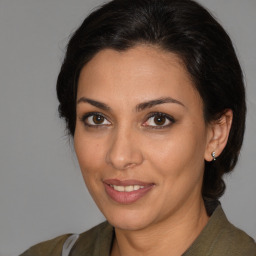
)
(126, 191)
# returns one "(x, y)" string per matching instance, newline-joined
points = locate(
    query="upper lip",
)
(126, 182)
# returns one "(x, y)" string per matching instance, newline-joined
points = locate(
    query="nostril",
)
(130, 165)
(124, 162)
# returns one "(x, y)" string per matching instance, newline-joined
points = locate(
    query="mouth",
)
(127, 191)
(126, 188)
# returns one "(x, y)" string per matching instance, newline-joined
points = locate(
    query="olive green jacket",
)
(218, 238)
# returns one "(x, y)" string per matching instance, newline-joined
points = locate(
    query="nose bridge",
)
(124, 151)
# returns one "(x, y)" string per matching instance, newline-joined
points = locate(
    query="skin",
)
(128, 144)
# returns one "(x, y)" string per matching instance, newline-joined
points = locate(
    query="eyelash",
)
(84, 120)
(91, 114)
(160, 114)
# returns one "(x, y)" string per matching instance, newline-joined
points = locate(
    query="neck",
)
(171, 236)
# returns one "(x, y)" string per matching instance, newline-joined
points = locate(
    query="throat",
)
(162, 239)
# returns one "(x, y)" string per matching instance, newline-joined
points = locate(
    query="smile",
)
(128, 191)
(126, 188)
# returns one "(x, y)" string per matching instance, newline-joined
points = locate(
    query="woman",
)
(153, 95)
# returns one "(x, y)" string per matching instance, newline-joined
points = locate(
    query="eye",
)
(95, 119)
(159, 120)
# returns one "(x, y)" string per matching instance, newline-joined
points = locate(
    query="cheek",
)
(90, 154)
(180, 153)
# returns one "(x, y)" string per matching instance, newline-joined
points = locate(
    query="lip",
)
(126, 182)
(126, 197)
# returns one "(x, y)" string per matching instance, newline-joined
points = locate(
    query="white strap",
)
(69, 243)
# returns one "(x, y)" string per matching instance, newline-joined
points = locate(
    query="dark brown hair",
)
(180, 26)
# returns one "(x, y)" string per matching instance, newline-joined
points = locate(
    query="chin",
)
(130, 225)
(129, 219)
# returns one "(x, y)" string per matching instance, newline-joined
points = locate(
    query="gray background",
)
(42, 193)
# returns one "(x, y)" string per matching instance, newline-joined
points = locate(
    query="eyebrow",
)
(139, 107)
(95, 103)
(152, 103)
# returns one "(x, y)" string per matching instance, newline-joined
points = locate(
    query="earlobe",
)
(218, 135)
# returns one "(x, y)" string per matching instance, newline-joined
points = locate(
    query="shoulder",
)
(47, 248)
(236, 241)
(87, 242)
(220, 237)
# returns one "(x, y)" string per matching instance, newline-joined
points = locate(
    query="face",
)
(140, 136)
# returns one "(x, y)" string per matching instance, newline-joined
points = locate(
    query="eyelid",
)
(90, 114)
(154, 114)
(150, 115)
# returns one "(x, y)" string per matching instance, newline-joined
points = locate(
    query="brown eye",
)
(97, 119)
(159, 120)
(94, 119)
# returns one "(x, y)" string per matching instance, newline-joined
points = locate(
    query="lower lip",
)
(127, 197)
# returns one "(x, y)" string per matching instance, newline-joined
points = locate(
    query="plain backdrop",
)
(42, 194)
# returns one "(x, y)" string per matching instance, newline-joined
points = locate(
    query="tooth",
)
(128, 188)
(136, 187)
(119, 188)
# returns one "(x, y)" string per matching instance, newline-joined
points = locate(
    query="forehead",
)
(138, 74)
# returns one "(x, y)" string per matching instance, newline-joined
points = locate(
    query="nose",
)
(124, 150)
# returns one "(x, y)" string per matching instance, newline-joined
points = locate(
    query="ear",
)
(218, 133)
